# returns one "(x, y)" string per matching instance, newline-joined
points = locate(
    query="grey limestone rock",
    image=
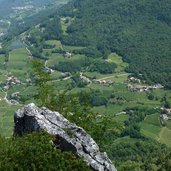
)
(69, 137)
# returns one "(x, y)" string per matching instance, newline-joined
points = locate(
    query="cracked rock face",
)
(69, 137)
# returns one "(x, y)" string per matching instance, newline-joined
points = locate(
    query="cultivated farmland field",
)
(18, 65)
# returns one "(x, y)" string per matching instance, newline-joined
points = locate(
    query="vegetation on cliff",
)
(36, 152)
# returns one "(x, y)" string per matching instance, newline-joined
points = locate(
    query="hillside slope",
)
(140, 31)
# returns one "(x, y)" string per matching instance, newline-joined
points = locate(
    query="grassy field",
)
(115, 77)
(65, 24)
(151, 127)
(121, 118)
(120, 76)
(125, 139)
(3, 76)
(55, 43)
(168, 124)
(113, 57)
(71, 48)
(7, 118)
(56, 58)
(19, 65)
(109, 110)
(164, 136)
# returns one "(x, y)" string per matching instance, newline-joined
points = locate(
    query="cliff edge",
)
(69, 137)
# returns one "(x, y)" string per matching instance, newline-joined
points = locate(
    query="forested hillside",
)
(140, 31)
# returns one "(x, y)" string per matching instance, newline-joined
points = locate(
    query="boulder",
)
(69, 137)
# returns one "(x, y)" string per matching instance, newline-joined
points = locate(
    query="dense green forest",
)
(36, 152)
(140, 31)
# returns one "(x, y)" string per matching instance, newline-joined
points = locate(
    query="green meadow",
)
(152, 128)
(18, 65)
(7, 118)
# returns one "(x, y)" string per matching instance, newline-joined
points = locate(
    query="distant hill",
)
(23, 14)
(7, 5)
(140, 31)
(14, 3)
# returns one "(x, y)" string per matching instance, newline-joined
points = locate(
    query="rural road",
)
(5, 98)
(104, 78)
(47, 68)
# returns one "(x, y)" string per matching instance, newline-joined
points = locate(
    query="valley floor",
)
(18, 89)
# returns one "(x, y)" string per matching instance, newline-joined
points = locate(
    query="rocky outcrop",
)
(69, 137)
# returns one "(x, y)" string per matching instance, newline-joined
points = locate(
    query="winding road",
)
(5, 98)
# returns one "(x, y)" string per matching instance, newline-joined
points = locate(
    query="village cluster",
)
(11, 81)
(135, 85)
(27, 7)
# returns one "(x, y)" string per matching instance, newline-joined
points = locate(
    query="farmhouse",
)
(50, 71)
(84, 78)
(164, 117)
(168, 111)
(13, 80)
(102, 81)
(137, 88)
(156, 86)
(68, 55)
(6, 87)
(133, 79)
